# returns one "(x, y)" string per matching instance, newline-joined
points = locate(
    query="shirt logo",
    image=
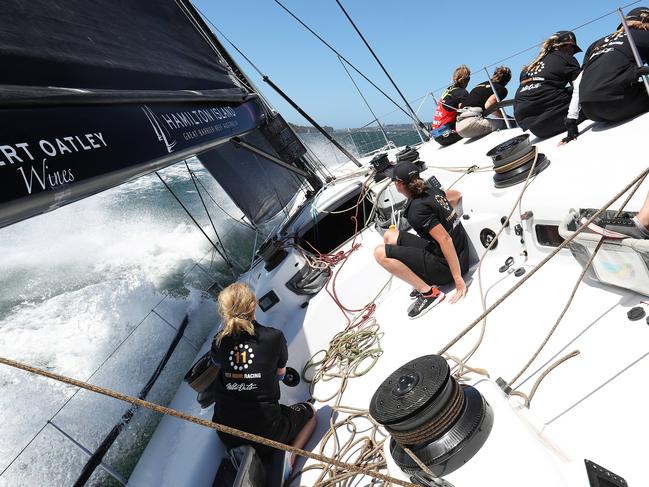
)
(441, 201)
(241, 356)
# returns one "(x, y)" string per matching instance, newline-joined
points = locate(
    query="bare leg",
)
(643, 214)
(399, 269)
(305, 433)
(390, 236)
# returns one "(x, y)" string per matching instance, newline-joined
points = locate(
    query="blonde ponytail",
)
(549, 45)
(237, 304)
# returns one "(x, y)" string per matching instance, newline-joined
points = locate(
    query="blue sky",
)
(420, 42)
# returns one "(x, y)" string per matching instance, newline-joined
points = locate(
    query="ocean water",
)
(94, 290)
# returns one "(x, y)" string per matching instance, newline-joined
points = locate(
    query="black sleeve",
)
(283, 352)
(502, 92)
(428, 217)
(215, 353)
(589, 52)
(572, 69)
(641, 38)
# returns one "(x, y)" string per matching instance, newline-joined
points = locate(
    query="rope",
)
(202, 422)
(575, 287)
(483, 329)
(533, 271)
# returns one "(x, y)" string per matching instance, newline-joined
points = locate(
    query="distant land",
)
(400, 127)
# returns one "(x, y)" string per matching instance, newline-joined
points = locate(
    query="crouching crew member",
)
(610, 89)
(439, 255)
(443, 127)
(543, 97)
(470, 122)
(252, 360)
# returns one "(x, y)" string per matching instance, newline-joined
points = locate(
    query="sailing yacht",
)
(534, 379)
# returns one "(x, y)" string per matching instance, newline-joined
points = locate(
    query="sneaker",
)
(630, 227)
(414, 294)
(425, 302)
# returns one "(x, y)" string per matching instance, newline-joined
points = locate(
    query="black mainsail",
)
(93, 94)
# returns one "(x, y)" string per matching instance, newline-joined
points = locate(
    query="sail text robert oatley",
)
(32, 158)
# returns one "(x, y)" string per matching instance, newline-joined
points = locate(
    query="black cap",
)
(639, 13)
(405, 171)
(567, 37)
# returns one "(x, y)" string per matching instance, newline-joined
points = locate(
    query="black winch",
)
(383, 166)
(513, 160)
(411, 154)
(426, 410)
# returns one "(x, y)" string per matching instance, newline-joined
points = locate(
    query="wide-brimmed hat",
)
(405, 171)
(567, 37)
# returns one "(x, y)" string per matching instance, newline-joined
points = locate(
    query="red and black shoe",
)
(425, 302)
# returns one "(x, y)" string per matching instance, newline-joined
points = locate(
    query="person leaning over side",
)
(440, 252)
(543, 97)
(610, 88)
(443, 127)
(470, 122)
(252, 360)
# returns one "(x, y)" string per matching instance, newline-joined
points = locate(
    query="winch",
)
(513, 161)
(426, 410)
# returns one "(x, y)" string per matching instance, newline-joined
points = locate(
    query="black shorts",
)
(283, 426)
(412, 250)
(634, 103)
(294, 417)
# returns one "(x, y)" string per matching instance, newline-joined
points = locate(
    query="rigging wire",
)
(209, 217)
(535, 46)
(221, 253)
(97, 369)
(366, 102)
(418, 123)
(399, 107)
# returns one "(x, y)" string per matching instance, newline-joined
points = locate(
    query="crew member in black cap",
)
(543, 96)
(439, 254)
(610, 89)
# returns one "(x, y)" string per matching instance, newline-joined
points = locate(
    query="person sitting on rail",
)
(440, 252)
(543, 97)
(443, 127)
(610, 90)
(252, 360)
(470, 122)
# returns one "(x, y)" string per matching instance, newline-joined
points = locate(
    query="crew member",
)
(470, 122)
(252, 360)
(610, 89)
(440, 252)
(443, 127)
(543, 97)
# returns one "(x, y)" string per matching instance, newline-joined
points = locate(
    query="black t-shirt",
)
(545, 91)
(609, 66)
(247, 390)
(430, 209)
(453, 96)
(481, 93)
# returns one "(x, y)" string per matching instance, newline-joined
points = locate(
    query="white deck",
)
(608, 427)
